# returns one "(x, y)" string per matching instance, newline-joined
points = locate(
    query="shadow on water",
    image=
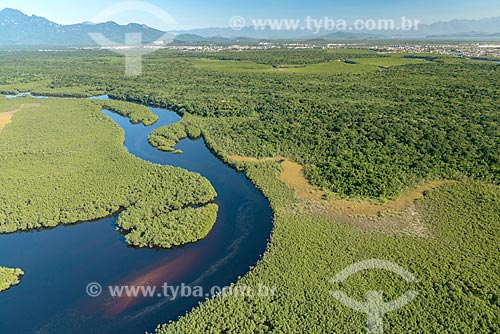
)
(61, 262)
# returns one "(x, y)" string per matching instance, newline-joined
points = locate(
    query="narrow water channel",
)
(61, 262)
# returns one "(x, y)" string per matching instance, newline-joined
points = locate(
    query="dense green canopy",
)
(9, 277)
(362, 134)
(63, 161)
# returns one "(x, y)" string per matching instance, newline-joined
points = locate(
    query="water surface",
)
(60, 263)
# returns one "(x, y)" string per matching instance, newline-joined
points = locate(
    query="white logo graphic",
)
(94, 290)
(375, 307)
(237, 22)
(133, 49)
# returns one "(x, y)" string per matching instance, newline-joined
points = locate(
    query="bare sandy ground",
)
(398, 216)
(6, 117)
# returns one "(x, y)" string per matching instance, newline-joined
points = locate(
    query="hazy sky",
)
(217, 13)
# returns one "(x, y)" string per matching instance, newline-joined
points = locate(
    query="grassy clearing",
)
(388, 61)
(398, 216)
(353, 65)
(330, 67)
(293, 175)
(230, 66)
(6, 117)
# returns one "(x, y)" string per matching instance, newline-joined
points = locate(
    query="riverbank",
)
(235, 243)
(9, 278)
(309, 247)
(432, 230)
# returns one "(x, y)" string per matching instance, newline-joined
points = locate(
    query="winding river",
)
(61, 262)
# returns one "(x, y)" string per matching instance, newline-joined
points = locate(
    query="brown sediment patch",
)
(405, 222)
(6, 117)
(239, 158)
(157, 277)
(403, 202)
(399, 216)
(293, 175)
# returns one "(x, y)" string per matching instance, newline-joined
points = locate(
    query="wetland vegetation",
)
(63, 162)
(135, 112)
(9, 277)
(365, 134)
(360, 133)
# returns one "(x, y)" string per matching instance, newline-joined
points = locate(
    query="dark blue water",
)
(60, 263)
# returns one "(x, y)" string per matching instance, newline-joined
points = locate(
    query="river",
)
(61, 262)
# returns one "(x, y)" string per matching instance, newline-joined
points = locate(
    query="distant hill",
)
(466, 35)
(18, 29)
(249, 32)
(486, 27)
(193, 38)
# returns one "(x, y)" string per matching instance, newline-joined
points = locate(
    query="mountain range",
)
(19, 29)
(482, 28)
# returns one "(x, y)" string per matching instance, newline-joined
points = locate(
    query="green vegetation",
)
(366, 134)
(63, 162)
(9, 277)
(280, 57)
(46, 88)
(388, 61)
(456, 266)
(166, 137)
(230, 65)
(165, 228)
(359, 134)
(334, 66)
(135, 112)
